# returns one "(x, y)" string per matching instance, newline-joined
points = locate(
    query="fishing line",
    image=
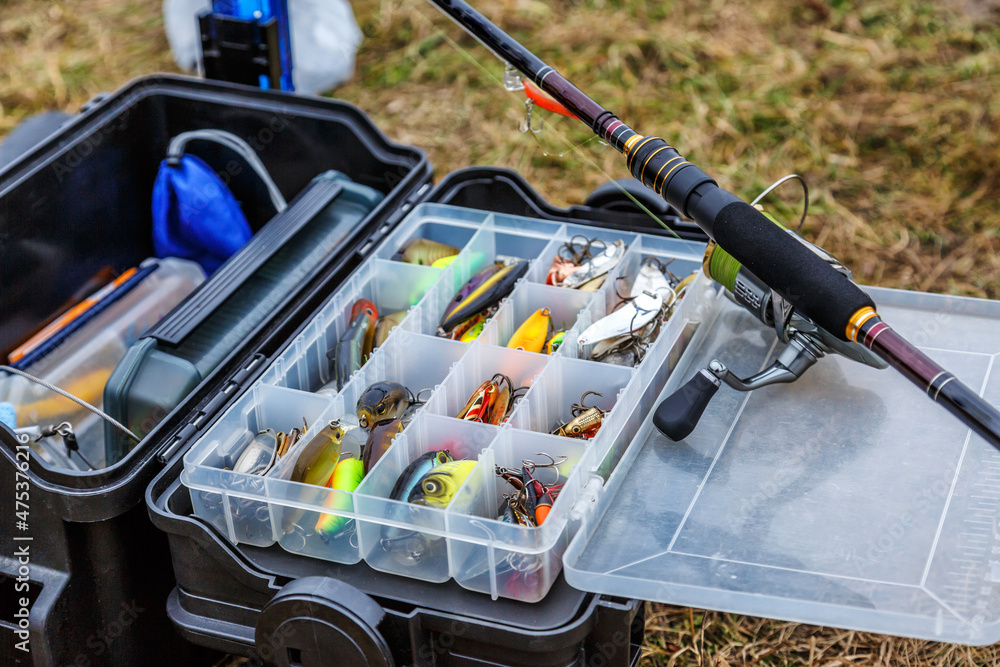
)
(65, 394)
(573, 147)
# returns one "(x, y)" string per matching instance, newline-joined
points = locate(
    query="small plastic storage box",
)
(465, 541)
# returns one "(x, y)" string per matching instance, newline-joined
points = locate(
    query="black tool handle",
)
(679, 413)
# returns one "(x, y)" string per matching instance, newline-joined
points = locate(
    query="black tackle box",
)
(107, 584)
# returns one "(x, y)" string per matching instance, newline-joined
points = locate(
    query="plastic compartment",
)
(391, 286)
(549, 403)
(404, 538)
(235, 503)
(487, 246)
(479, 365)
(418, 362)
(465, 541)
(444, 224)
(628, 269)
(295, 524)
(527, 568)
(565, 307)
(579, 233)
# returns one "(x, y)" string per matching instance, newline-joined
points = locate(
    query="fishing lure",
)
(386, 324)
(367, 308)
(471, 286)
(287, 441)
(542, 507)
(593, 284)
(586, 420)
(379, 440)
(350, 354)
(424, 252)
(479, 401)
(474, 331)
(560, 270)
(414, 472)
(532, 333)
(597, 266)
(531, 503)
(318, 459)
(444, 261)
(346, 476)
(554, 342)
(627, 357)
(490, 402)
(632, 316)
(651, 279)
(488, 294)
(259, 455)
(438, 487)
(383, 401)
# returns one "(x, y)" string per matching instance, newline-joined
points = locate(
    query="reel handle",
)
(679, 413)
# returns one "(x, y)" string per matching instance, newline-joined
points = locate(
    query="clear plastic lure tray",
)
(464, 541)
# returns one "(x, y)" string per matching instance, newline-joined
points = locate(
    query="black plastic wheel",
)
(321, 621)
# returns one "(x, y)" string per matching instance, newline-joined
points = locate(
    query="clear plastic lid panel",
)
(846, 499)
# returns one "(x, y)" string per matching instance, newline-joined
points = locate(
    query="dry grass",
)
(890, 109)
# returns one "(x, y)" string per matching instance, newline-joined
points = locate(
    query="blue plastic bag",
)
(195, 216)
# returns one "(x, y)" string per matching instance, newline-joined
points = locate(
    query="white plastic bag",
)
(325, 37)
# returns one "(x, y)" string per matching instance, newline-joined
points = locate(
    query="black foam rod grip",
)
(807, 281)
(794, 271)
(679, 412)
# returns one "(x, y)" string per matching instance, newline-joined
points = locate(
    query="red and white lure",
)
(535, 96)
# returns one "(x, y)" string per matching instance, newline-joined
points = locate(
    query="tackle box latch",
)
(583, 509)
(206, 415)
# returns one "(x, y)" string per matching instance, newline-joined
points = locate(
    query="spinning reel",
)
(806, 342)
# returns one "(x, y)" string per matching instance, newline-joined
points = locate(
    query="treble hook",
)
(579, 408)
(416, 399)
(531, 466)
(526, 125)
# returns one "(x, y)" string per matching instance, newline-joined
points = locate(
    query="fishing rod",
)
(807, 295)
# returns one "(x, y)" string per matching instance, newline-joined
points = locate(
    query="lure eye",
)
(381, 408)
(431, 487)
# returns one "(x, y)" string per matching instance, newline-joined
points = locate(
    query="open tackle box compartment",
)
(464, 541)
(226, 590)
(81, 200)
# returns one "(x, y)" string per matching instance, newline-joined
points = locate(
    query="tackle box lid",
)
(846, 499)
(47, 191)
